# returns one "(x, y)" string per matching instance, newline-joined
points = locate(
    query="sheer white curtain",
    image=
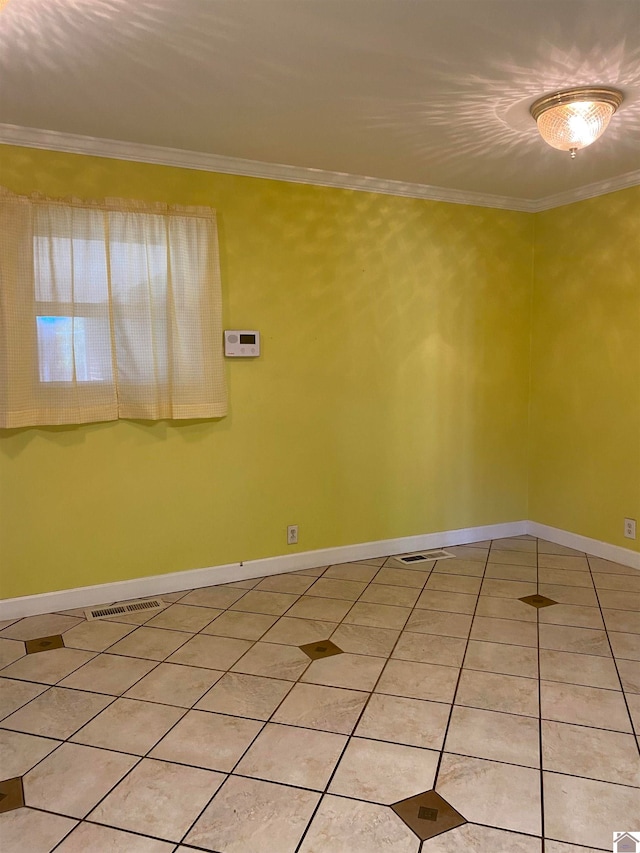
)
(108, 310)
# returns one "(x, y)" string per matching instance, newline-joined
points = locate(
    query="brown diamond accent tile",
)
(11, 794)
(428, 814)
(44, 644)
(321, 649)
(538, 600)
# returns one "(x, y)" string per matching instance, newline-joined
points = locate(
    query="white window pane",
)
(65, 340)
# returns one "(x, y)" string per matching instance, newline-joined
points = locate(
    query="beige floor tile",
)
(15, 694)
(545, 547)
(10, 651)
(469, 552)
(47, 667)
(503, 658)
(452, 602)
(39, 626)
(482, 839)
(630, 583)
(252, 816)
(74, 778)
(371, 561)
(211, 652)
(150, 643)
(629, 675)
(499, 737)
(299, 632)
(259, 601)
(159, 798)
(507, 589)
(499, 571)
(589, 670)
(293, 756)
(397, 596)
(575, 562)
(513, 558)
(93, 838)
(418, 680)
(456, 566)
(240, 626)
(382, 772)
(401, 577)
(184, 617)
(439, 622)
(430, 648)
(593, 753)
(561, 847)
(330, 588)
(172, 684)
(314, 572)
(358, 672)
(217, 597)
(247, 583)
(582, 811)
(362, 640)
(505, 608)
(497, 692)
(585, 706)
(624, 621)
(503, 795)
(345, 826)
(20, 752)
(129, 725)
(414, 722)
(273, 661)
(586, 641)
(108, 674)
(579, 595)
(625, 646)
(313, 706)
(454, 583)
(245, 696)
(168, 597)
(58, 713)
(351, 572)
(571, 615)
(618, 600)
(606, 566)
(633, 701)
(512, 543)
(510, 631)
(377, 615)
(42, 830)
(203, 739)
(328, 609)
(96, 635)
(295, 584)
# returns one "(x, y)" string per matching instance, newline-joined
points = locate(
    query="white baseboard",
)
(106, 593)
(87, 596)
(595, 547)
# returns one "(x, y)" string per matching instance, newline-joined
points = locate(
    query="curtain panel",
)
(108, 310)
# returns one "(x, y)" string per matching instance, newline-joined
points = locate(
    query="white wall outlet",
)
(292, 534)
(630, 528)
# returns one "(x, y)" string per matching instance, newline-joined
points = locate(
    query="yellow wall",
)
(391, 398)
(585, 377)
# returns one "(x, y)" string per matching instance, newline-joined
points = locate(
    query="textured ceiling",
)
(432, 92)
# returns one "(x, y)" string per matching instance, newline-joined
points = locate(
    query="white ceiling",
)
(428, 92)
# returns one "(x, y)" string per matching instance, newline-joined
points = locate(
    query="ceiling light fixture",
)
(574, 118)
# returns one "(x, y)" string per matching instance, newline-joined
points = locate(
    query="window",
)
(108, 310)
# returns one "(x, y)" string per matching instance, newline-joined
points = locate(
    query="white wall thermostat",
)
(241, 344)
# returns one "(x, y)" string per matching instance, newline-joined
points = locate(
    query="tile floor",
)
(206, 727)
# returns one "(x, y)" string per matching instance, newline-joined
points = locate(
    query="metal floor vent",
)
(425, 556)
(119, 609)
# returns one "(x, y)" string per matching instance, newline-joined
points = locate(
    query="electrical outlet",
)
(292, 534)
(630, 528)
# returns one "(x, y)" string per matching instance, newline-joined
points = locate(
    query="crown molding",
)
(72, 143)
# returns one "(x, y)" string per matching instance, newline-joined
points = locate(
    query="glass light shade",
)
(575, 118)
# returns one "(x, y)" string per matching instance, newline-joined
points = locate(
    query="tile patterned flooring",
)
(206, 727)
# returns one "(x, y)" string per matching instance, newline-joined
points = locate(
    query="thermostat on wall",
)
(241, 343)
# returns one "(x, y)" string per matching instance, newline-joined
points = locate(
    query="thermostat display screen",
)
(247, 339)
